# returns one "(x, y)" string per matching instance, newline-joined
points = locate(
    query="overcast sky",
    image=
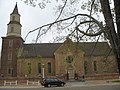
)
(31, 18)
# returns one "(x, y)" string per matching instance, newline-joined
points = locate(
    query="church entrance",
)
(70, 71)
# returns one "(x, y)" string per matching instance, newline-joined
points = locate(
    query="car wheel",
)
(45, 85)
(49, 85)
(62, 84)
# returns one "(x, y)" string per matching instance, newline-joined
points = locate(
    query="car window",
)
(56, 79)
(47, 79)
(51, 79)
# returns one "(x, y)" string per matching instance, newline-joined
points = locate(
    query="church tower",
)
(10, 45)
(14, 26)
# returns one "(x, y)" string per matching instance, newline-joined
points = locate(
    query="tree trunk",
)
(117, 13)
(110, 30)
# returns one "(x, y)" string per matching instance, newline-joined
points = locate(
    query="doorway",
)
(70, 71)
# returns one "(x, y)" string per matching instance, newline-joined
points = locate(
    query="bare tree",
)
(94, 26)
(112, 34)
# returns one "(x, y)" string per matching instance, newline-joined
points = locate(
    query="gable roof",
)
(42, 49)
(48, 49)
(96, 48)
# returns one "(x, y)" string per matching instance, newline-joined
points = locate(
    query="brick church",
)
(56, 59)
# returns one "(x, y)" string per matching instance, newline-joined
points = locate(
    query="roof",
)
(96, 48)
(14, 22)
(48, 49)
(42, 49)
(15, 11)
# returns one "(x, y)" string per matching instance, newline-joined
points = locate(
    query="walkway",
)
(68, 84)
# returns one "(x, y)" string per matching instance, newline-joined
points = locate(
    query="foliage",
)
(29, 68)
(42, 3)
(116, 81)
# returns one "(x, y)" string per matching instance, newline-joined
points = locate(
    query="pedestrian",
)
(67, 76)
(83, 78)
(76, 76)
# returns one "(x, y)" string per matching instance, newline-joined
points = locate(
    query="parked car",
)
(48, 82)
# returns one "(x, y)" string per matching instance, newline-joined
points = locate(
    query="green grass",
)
(116, 81)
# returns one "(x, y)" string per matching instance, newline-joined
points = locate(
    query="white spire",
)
(14, 26)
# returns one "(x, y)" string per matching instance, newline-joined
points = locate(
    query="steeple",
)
(14, 26)
(12, 42)
(15, 11)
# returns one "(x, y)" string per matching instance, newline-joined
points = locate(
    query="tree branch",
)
(61, 10)
(89, 34)
(62, 20)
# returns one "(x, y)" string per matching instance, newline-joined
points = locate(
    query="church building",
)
(19, 59)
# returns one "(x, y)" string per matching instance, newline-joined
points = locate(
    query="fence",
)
(19, 81)
(10, 82)
(33, 82)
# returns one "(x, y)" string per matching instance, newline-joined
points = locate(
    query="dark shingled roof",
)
(48, 49)
(42, 49)
(96, 48)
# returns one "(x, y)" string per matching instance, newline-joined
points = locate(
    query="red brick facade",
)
(10, 46)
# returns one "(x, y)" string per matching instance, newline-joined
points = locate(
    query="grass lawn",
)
(116, 81)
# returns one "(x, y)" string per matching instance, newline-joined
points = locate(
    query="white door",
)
(70, 71)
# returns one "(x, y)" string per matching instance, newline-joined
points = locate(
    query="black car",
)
(48, 82)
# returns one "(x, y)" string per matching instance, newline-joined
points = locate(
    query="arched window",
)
(13, 18)
(10, 43)
(12, 29)
(105, 67)
(85, 67)
(49, 68)
(95, 65)
(10, 56)
(69, 59)
(9, 70)
(29, 68)
(39, 67)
